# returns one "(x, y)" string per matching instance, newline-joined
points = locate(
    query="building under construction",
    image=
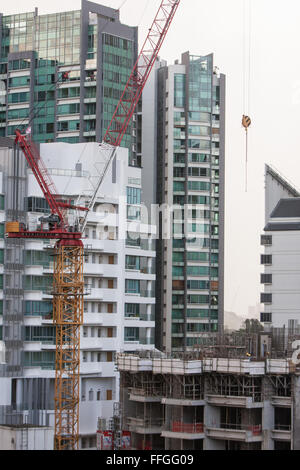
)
(235, 393)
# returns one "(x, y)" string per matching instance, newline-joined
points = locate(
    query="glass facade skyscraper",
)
(191, 166)
(63, 74)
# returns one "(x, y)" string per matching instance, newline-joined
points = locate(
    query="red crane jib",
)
(47, 234)
(140, 73)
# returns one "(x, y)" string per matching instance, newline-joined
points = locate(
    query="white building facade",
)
(281, 257)
(119, 278)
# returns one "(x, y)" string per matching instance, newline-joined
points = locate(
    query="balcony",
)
(147, 293)
(145, 425)
(144, 396)
(282, 402)
(235, 401)
(187, 431)
(282, 432)
(235, 432)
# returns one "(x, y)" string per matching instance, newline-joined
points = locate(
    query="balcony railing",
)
(147, 293)
(255, 429)
(282, 427)
(188, 428)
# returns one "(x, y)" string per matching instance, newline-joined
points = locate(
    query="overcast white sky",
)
(217, 26)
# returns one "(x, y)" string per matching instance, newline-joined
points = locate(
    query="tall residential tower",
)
(62, 74)
(190, 176)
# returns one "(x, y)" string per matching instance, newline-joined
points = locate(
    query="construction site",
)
(108, 341)
(235, 393)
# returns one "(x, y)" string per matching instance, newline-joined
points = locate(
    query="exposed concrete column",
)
(296, 412)
(212, 416)
(268, 416)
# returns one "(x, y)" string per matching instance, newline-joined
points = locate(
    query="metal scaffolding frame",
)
(235, 385)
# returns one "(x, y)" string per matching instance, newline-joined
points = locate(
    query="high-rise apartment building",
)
(190, 183)
(62, 74)
(119, 276)
(281, 255)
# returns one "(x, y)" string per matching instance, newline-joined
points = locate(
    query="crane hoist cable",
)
(247, 54)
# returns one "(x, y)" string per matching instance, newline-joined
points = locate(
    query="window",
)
(16, 82)
(197, 256)
(19, 64)
(133, 262)
(36, 204)
(132, 286)
(265, 298)
(266, 317)
(131, 334)
(199, 172)
(198, 299)
(132, 310)
(199, 130)
(266, 259)
(18, 113)
(198, 285)
(109, 332)
(266, 240)
(198, 116)
(199, 144)
(109, 356)
(18, 97)
(179, 90)
(177, 271)
(69, 92)
(266, 278)
(70, 126)
(178, 172)
(178, 186)
(179, 158)
(110, 308)
(198, 186)
(177, 299)
(133, 213)
(73, 108)
(178, 257)
(132, 241)
(177, 314)
(133, 195)
(198, 271)
(36, 258)
(197, 313)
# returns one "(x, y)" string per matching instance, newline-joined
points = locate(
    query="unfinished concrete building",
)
(203, 401)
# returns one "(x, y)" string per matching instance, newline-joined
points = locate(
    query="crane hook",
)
(246, 123)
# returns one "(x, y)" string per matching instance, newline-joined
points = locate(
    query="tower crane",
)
(68, 282)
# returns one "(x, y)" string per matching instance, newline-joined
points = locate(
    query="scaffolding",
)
(235, 385)
(184, 387)
(147, 385)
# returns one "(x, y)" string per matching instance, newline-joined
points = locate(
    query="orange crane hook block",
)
(246, 123)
